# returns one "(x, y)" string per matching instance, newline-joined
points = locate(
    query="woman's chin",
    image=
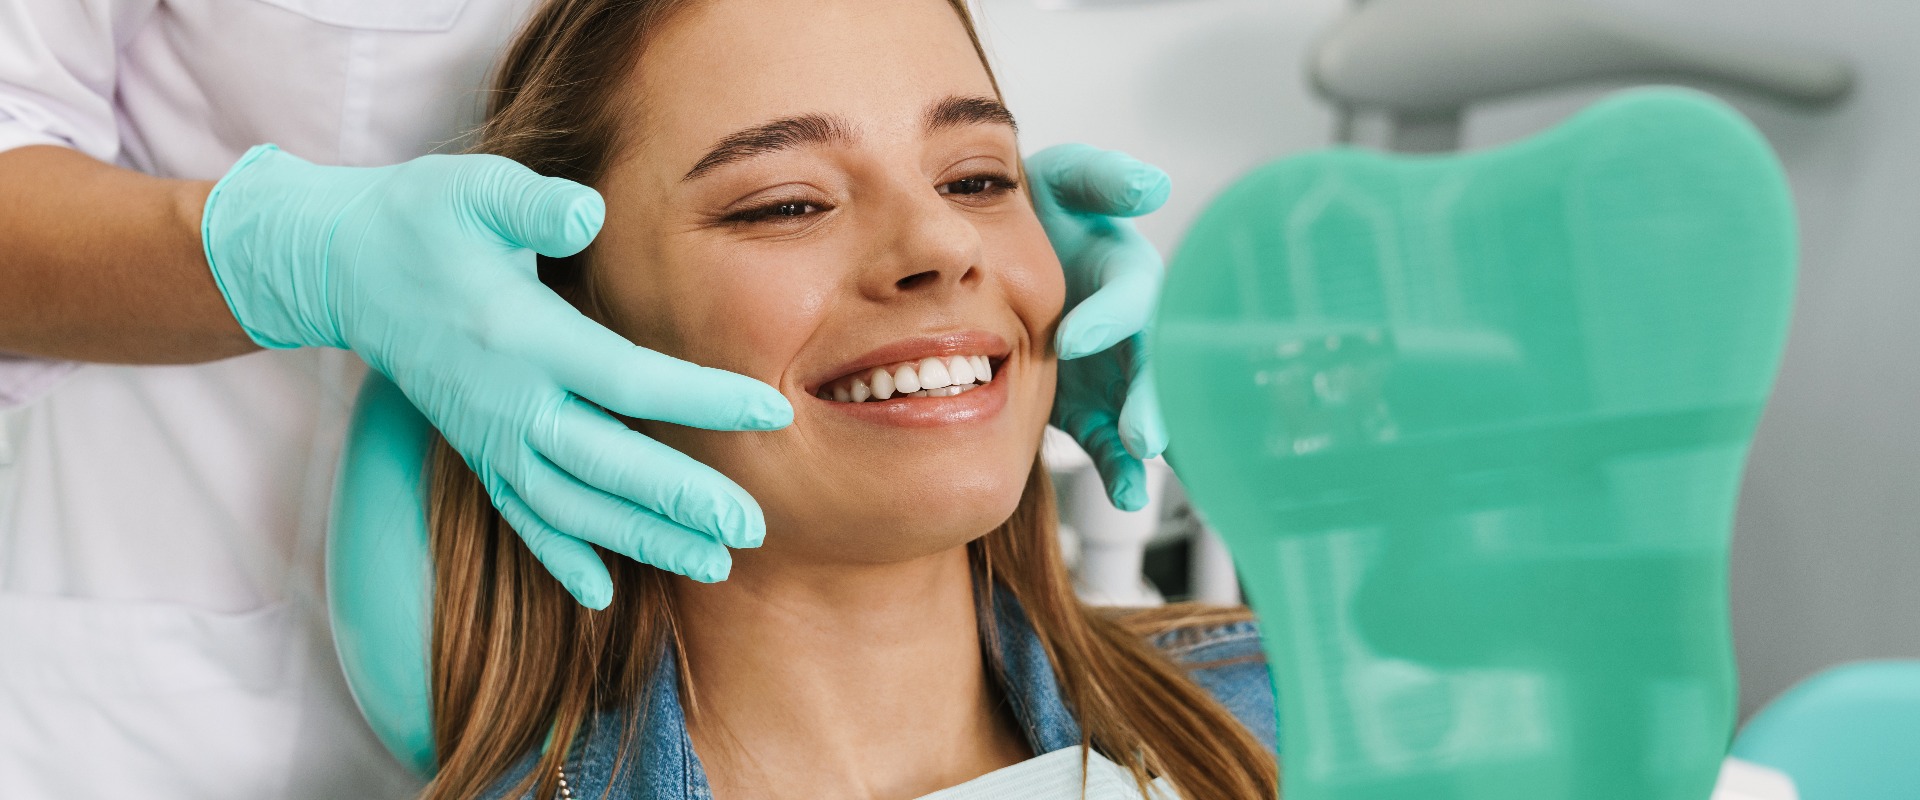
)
(886, 524)
(874, 496)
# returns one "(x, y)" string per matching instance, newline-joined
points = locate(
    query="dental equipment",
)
(1473, 428)
(1422, 63)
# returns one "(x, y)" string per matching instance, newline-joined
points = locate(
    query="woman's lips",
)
(972, 405)
(960, 343)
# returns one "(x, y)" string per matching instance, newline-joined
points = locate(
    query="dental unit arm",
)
(1423, 62)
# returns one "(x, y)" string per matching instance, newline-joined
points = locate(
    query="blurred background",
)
(1826, 551)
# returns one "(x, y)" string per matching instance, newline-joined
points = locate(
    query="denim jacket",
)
(660, 763)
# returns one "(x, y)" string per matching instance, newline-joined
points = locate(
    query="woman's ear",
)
(571, 279)
(563, 274)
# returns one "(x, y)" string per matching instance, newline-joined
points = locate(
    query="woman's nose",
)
(925, 246)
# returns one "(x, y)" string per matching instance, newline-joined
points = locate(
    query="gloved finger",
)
(606, 455)
(1090, 180)
(551, 216)
(569, 560)
(595, 516)
(613, 373)
(1128, 271)
(1142, 429)
(1124, 476)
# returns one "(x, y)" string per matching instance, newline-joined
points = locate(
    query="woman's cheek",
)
(749, 315)
(780, 316)
(1037, 285)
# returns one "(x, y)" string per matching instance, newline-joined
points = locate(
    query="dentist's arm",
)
(105, 264)
(427, 271)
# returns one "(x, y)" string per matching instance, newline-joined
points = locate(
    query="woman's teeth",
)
(928, 377)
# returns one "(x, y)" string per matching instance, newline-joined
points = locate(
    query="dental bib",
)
(1056, 776)
(1473, 428)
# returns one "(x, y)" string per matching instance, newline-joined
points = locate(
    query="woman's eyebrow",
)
(958, 110)
(779, 134)
(789, 132)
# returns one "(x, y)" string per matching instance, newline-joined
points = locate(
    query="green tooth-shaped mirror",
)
(1473, 429)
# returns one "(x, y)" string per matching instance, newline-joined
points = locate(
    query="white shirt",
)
(1057, 776)
(162, 629)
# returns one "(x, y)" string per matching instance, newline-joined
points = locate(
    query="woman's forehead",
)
(723, 66)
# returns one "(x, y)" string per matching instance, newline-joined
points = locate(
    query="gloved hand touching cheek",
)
(1083, 195)
(427, 270)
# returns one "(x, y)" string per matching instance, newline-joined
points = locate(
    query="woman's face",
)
(815, 193)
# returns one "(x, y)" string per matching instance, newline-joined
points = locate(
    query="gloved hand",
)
(1105, 399)
(426, 269)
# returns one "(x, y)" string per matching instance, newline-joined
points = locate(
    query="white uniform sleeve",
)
(58, 69)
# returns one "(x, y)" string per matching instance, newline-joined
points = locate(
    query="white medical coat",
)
(162, 630)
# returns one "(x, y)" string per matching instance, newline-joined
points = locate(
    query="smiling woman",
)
(824, 195)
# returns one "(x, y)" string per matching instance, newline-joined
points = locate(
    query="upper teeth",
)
(928, 377)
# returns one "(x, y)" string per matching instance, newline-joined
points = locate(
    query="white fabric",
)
(161, 630)
(1056, 776)
(1745, 780)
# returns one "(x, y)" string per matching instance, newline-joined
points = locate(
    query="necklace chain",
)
(566, 792)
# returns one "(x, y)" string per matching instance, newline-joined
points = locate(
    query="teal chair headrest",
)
(379, 571)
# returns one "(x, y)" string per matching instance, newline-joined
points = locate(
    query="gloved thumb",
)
(551, 216)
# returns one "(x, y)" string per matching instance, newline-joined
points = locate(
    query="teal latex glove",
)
(427, 270)
(1082, 195)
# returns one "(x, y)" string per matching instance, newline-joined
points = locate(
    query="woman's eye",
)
(978, 185)
(777, 212)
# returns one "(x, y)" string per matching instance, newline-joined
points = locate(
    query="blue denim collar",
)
(660, 763)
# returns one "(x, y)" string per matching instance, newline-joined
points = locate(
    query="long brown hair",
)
(516, 660)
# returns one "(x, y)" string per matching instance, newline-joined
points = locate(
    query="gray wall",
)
(1206, 89)
(1826, 563)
